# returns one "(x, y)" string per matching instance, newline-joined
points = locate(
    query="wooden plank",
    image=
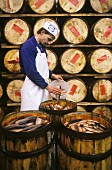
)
(55, 15)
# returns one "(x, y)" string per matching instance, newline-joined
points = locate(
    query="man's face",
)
(46, 39)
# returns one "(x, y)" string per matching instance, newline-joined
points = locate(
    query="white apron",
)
(31, 94)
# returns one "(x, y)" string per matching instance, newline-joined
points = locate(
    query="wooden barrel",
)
(81, 109)
(1, 91)
(78, 90)
(81, 150)
(102, 90)
(73, 60)
(75, 30)
(103, 31)
(14, 90)
(11, 61)
(72, 6)
(27, 149)
(52, 59)
(16, 31)
(42, 6)
(101, 60)
(104, 111)
(11, 6)
(56, 109)
(39, 24)
(2, 158)
(101, 6)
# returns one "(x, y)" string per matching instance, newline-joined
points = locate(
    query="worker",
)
(33, 63)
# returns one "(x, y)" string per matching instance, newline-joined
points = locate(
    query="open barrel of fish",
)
(27, 140)
(39, 24)
(102, 30)
(101, 60)
(41, 7)
(11, 61)
(72, 6)
(11, 6)
(16, 31)
(58, 108)
(101, 6)
(75, 30)
(85, 142)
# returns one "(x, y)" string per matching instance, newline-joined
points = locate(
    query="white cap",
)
(51, 27)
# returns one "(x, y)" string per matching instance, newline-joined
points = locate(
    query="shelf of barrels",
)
(81, 52)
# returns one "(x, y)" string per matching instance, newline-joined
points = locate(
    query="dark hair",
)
(46, 32)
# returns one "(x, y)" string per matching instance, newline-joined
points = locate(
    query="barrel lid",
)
(11, 61)
(39, 24)
(104, 111)
(14, 90)
(16, 31)
(78, 90)
(1, 91)
(41, 7)
(102, 90)
(101, 6)
(103, 31)
(73, 60)
(75, 30)
(101, 60)
(11, 6)
(72, 6)
(51, 59)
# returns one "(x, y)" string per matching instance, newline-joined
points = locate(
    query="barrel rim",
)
(82, 135)
(58, 112)
(23, 135)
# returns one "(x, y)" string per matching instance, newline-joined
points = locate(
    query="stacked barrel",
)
(81, 52)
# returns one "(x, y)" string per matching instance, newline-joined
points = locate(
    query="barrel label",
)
(75, 58)
(102, 1)
(17, 29)
(102, 58)
(17, 93)
(102, 89)
(48, 63)
(38, 3)
(74, 31)
(100, 112)
(73, 89)
(13, 61)
(74, 2)
(108, 32)
(8, 4)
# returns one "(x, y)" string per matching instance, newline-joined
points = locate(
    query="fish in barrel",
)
(26, 124)
(85, 126)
